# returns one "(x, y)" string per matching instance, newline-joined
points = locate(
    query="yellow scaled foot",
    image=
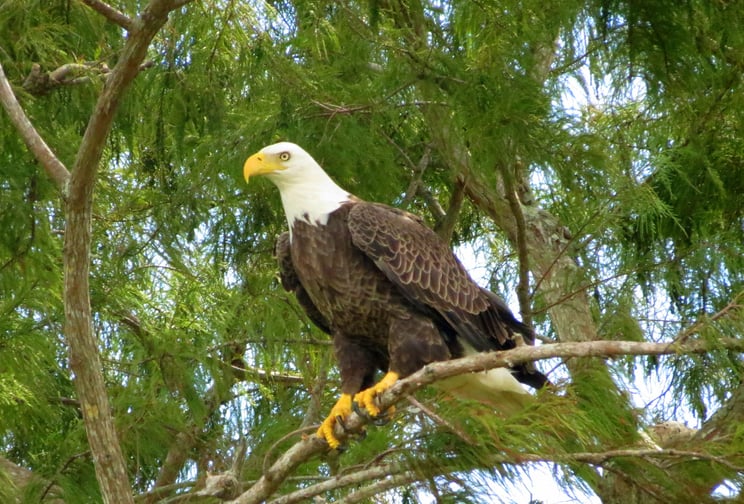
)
(340, 411)
(366, 398)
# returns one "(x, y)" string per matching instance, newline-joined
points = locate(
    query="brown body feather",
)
(392, 294)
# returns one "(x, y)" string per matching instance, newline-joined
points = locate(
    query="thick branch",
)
(22, 479)
(311, 446)
(85, 360)
(484, 361)
(446, 225)
(122, 75)
(41, 151)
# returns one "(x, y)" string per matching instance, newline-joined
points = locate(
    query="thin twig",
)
(418, 173)
(441, 421)
(600, 458)
(380, 486)
(734, 304)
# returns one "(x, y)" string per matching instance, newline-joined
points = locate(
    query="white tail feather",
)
(496, 388)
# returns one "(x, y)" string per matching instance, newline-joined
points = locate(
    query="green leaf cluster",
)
(644, 171)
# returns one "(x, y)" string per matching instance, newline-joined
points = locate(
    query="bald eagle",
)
(388, 290)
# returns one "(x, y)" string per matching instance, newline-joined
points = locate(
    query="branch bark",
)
(38, 147)
(344, 480)
(84, 357)
(22, 479)
(393, 475)
(523, 287)
(40, 83)
(112, 14)
(307, 448)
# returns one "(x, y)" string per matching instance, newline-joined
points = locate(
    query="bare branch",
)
(394, 475)
(112, 14)
(380, 486)
(734, 305)
(311, 446)
(417, 170)
(269, 377)
(38, 147)
(523, 287)
(354, 478)
(441, 421)
(40, 83)
(601, 458)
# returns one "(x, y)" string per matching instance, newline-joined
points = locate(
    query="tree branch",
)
(441, 421)
(311, 446)
(601, 458)
(394, 474)
(523, 287)
(112, 14)
(22, 479)
(40, 83)
(354, 478)
(38, 147)
(380, 486)
(133, 54)
(85, 361)
(446, 225)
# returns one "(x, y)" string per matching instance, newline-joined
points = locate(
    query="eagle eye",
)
(284, 156)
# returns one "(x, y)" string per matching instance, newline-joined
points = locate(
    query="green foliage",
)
(646, 177)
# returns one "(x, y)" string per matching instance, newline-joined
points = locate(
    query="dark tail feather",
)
(526, 373)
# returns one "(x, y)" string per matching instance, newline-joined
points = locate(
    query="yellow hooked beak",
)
(260, 164)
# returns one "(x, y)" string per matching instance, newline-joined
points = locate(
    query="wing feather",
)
(430, 276)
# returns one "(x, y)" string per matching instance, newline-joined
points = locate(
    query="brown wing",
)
(430, 276)
(291, 282)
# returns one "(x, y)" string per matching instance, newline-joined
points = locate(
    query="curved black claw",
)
(362, 412)
(380, 420)
(358, 434)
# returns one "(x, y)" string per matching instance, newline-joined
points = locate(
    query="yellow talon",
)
(340, 410)
(366, 398)
(343, 408)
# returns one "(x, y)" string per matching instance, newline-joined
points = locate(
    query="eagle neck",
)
(311, 201)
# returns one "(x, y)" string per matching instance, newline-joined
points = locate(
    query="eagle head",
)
(282, 162)
(307, 192)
